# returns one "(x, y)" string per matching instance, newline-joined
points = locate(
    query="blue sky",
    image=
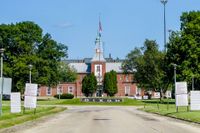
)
(126, 23)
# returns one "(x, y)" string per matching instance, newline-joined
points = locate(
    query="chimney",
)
(110, 56)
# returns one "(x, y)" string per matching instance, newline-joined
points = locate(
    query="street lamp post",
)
(30, 68)
(1, 96)
(175, 83)
(164, 2)
(193, 82)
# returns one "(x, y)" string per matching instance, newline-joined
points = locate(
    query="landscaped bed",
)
(77, 101)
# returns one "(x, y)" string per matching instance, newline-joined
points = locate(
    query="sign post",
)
(157, 96)
(168, 95)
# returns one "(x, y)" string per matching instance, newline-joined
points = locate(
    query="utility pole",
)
(164, 2)
(1, 96)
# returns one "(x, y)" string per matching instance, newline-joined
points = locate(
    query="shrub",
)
(64, 96)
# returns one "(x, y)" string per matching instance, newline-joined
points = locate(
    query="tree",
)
(89, 85)
(184, 49)
(19, 43)
(66, 74)
(50, 53)
(146, 65)
(25, 44)
(110, 83)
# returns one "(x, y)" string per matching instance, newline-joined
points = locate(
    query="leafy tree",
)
(19, 43)
(130, 64)
(110, 83)
(146, 65)
(50, 54)
(66, 74)
(89, 85)
(184, 49)
(25, 44)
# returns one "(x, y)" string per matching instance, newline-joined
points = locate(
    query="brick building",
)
(99, 66)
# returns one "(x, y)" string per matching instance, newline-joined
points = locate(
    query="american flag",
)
(100, 27)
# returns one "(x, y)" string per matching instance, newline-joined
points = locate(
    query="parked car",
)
(6, 97)
(131, 97)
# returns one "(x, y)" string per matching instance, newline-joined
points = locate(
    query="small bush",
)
(64, 96)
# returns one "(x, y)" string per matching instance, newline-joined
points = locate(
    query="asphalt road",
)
(101, 119)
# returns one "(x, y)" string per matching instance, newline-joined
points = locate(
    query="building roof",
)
(89, 60)
(81, 67)
(116, 66)
(84, 65)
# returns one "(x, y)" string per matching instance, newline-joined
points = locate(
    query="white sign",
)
(168, 94)
(157, 95)
(30, 102)
(15, 102)
(145, 97)
(31, 89)
(182, 100)
(181, 88)
(7, 83)
(138, 97)
(195, 100)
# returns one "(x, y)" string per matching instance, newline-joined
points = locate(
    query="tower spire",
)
(99, 48)
(100, 26)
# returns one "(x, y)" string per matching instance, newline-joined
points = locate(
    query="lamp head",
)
(163, 1)
(30, 66)
(2, 50)
(175, 65)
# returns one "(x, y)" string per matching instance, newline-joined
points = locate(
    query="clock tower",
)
(98, 63)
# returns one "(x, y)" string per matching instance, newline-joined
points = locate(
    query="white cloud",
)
(63, 25)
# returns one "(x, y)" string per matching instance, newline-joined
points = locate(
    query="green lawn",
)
(8, 119)
(183, 113)
(76, 101)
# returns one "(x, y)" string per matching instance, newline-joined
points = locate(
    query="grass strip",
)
(8, 119)
(183, 114)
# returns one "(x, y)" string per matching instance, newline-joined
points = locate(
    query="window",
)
(120, 77)
(138, 91)
(126, 78)
(59, 90)
(98, 68)
(48, 91)
(70, 89)
(127, 90)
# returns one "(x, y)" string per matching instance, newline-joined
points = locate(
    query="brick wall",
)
(124, 80)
